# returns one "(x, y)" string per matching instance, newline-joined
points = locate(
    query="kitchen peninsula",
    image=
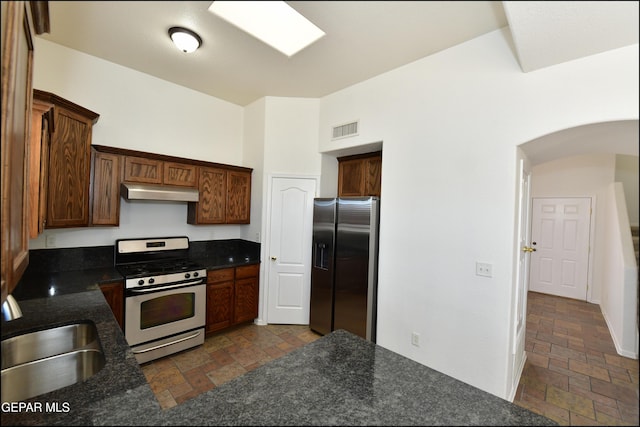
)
(339, 379)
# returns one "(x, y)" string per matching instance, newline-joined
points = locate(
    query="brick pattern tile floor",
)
(573, 373)
(222, 357)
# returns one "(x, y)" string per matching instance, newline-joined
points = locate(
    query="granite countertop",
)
(339, 379)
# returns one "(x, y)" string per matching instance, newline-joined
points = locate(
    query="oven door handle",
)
(168, 344)
(180, 285)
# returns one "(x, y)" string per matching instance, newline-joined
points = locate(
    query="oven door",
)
(155, 314)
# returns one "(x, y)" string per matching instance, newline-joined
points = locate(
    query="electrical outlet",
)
(415, 339)
(483, 269)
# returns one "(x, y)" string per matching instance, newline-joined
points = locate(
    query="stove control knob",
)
(140, 282)
(195, 274)
(151, 280)
(187, 275)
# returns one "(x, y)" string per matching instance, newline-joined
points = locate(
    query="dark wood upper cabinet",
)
(105, 188)
(225, 197)
(143, 170)
(155, 171)
(69, 162)
(211, 208)
(360, 175)
(42, 126)
(224, 190)
(19, 20)
(238, 197)
(179, 174)
(373, 175)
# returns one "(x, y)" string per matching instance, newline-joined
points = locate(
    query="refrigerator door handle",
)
(320, 259)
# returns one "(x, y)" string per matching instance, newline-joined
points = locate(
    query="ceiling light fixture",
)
(186, 40)
(273, 22)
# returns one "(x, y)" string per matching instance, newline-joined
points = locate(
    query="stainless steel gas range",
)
(165, 296)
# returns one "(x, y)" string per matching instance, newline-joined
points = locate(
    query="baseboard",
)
(622, 352)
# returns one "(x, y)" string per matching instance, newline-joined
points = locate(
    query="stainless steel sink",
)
(42, 361)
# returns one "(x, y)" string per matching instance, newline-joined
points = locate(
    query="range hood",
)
(131, 191)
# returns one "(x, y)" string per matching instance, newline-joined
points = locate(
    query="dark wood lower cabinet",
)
(114, 294)
(232, 296)
(219, 299)
(246, 293)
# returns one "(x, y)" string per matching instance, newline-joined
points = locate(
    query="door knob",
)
(528, 249)
(273, 258)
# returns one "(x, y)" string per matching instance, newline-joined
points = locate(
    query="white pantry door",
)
(289, 254)
(560, 230)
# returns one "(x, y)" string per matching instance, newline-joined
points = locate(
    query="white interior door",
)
(289, 254)
(524, 259)
(560, 230)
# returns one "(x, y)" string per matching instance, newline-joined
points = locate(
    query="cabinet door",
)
(351, 178)
(17, 71)
(139, 169)
(219, 306)
(179, 174)
(246, 299)
(41, 121)
(114, 294)
(106, 189)
(69, 170)
(210, 209)
(373, 176)
(238, 197)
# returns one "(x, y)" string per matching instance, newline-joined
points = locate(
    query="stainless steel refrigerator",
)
(344, 272)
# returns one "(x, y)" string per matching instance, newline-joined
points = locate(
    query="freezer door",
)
(356, 274)
(322, 269)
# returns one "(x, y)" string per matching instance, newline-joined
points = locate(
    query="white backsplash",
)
(137, 219)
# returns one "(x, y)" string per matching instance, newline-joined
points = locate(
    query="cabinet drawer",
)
(247, 271)
(222, 275)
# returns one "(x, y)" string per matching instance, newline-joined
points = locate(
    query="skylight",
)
(272, 22)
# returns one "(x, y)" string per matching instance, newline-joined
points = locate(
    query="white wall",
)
(141, 112)
(253, 148)
(627, 174)
(620, 303)
(450, 124)
(291, 136)
(285, 131)
(587, 175)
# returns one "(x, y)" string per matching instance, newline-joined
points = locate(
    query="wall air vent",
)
(346, 130)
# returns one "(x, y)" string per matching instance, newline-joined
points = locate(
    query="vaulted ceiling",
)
(363, 39)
